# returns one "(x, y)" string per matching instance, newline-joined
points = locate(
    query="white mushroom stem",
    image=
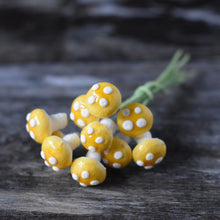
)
(123, 137)
(108, 122)
(58, 121)
(94, 155)
(146, 136)
(72, 140)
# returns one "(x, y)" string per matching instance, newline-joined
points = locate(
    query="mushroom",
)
(58, 134)
(119, 155)
(87, 172)
(134, 120)
(79, 114)
(57, 152)
(149, 153)
(96, 137)
(146, 136)
(41, 125)
(103, 99)
(108, 122)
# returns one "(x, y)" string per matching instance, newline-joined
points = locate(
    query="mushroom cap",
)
(103, 99)
(96, 137)
(56, 153)
(134, 120)
(87, 172)
(79, 114)
(58, 134)
(119, 155)
(38, 125)
(149, 152)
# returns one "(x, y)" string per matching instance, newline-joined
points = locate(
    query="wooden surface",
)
(186, 185)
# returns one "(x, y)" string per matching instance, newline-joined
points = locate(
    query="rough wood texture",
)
(93, 47)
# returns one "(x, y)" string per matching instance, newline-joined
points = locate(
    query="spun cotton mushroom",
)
(96, 137)
(80, 114)
(57, 152)
(134, 120)
(41, 125)
(87, 172)
(119, 155)
(149, 153)
(103, 99)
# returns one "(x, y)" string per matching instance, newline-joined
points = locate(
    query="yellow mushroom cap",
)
(96, 137)
(87, 172)
(119, 155)
(103, 99)
(149, 152)
(134, 120)
(79, 114)
(58, 134)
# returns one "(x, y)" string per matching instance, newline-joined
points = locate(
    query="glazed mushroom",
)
(87, 172)
(134, 120)
(79, 114)
(149, 153)
(104, 99)
(119, 155)
(57, 152)
(41, 125)
(96, 137)
(108, 122)
(146, 136)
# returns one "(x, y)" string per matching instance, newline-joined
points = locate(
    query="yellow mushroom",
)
(119, 155)
(149, 153)
(96, 137)
(41, 125)
(134, 120)
(57, 152)
(87, 172)
(79, 114)
(103, 99)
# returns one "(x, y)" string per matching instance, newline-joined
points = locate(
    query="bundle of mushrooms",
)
(100, 135)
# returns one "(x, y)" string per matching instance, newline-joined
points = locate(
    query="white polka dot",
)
(137, 110)
(128, 125)
(32, 134)
(126, 112)
(105, 161)
(91, 99)
(28, 116)
(141, 122)
(106, 152)
(103, 102)
(83, 184)
(94, 182)
(92, 149)
(27, 128)
(148, 167)
(99, 140)
(32, 122)
(95, 87)
(75, 177)
(85, 175)
(85, 113)
(47, 164)
(42, 154)
(83, 138)
(159, 160)
(53, 160)
(150, 156)
(81, 123)
(140, 163)
(72, 116)
(108, 90)
(118, 155)
(76, 106)
(141, 146)
(55, 169)
(90, 130)
(116, 165)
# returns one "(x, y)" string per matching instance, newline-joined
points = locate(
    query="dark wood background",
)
(53, 51)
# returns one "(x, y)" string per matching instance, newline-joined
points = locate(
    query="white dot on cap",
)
(103, 102)
(75, 177)
(94, 182)
(83, 138)
(76, 106)
(116, 165)
(137, 110)
(159, 160)
(72, 116)
(140, 163)
(83, 184)
(106, 152)
(28, 116)
(92, 149)
(99, 140)
(42, 154)
(47, 164)
(53, 160)
(149, 156)
(27, 128)
(126, 112)
(91, 99)
(32, 134)
(108, 90)
(32, 122)
(128, 125)
(105, 161)
(81, 123)
(95, 87)
(148, 167)
(85, 175)
(55, 169)
(90, 130)
(85, 113)
(141, 122)
(118, 155)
